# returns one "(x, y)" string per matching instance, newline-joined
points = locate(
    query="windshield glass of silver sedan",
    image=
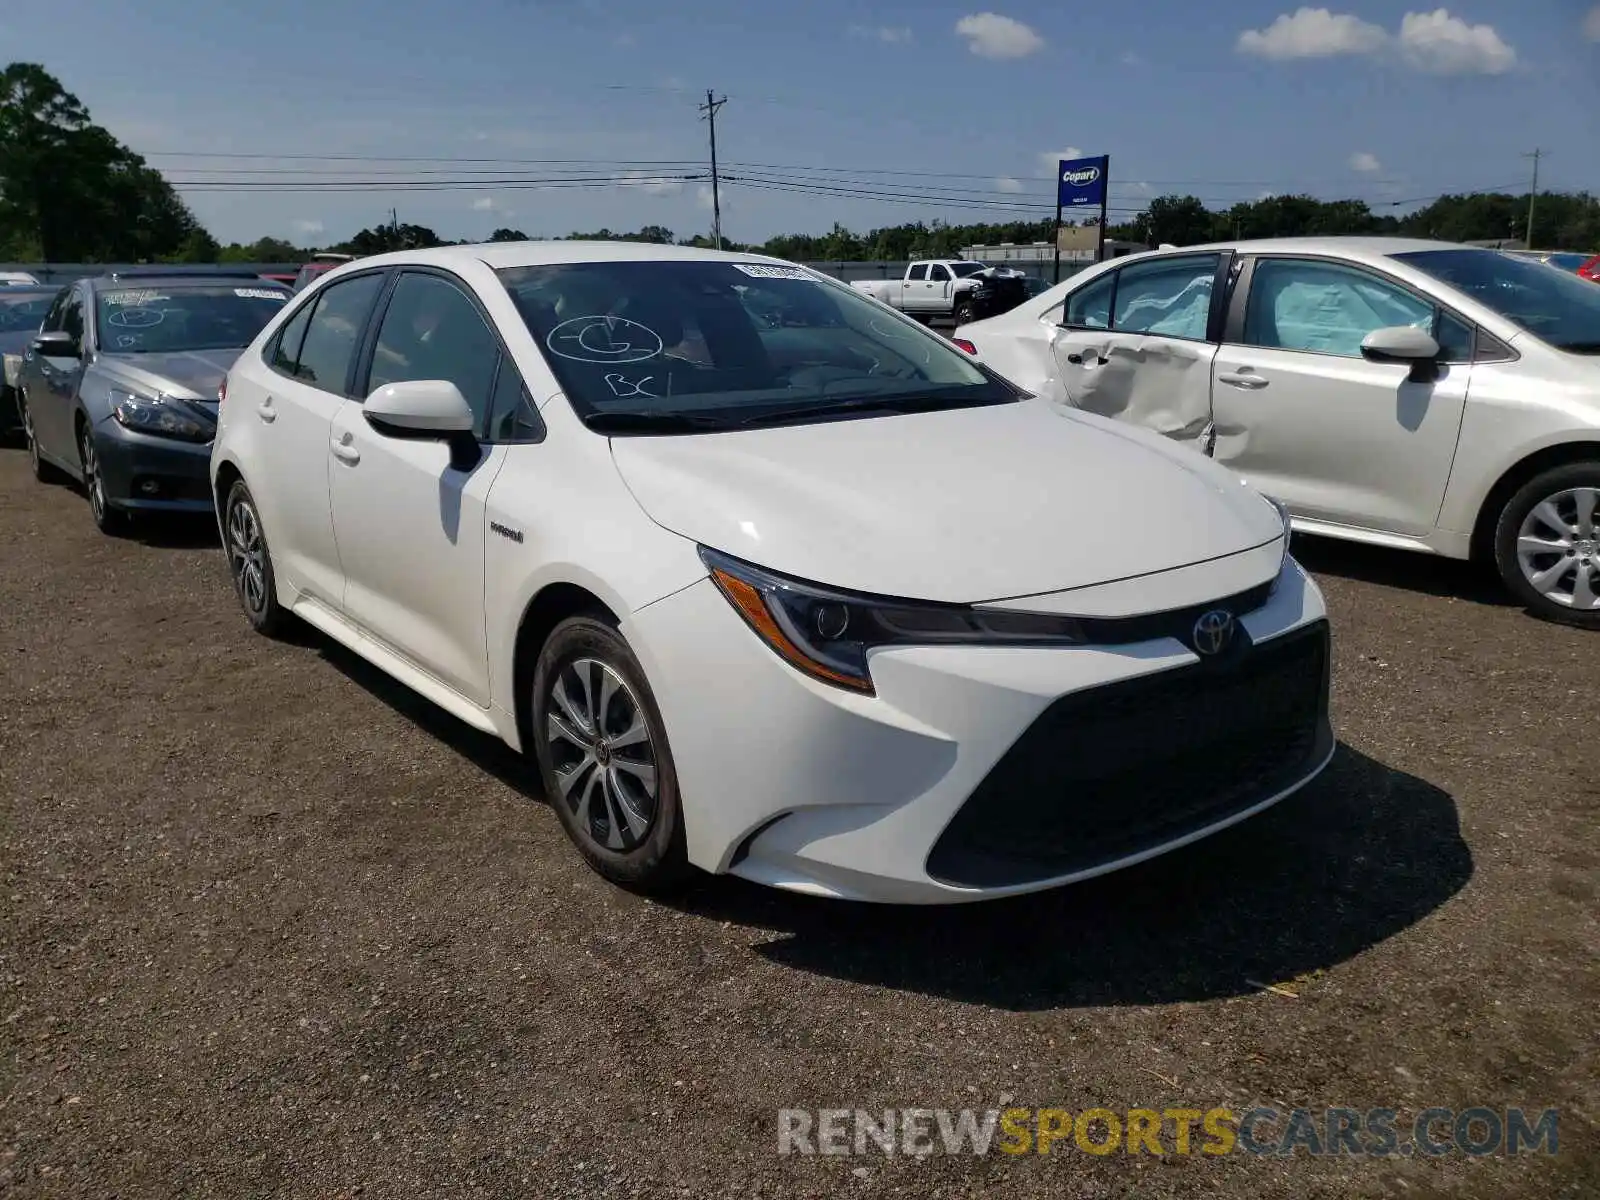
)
(701, 344)
(1556, 307)
(165, 318)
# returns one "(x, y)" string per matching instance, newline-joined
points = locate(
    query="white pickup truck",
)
(949, 287)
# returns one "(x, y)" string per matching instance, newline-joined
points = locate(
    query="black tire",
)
(109, 520)
(1576, 543)
(42, 471)
(585, 772)
(965, 313)
(250, 562)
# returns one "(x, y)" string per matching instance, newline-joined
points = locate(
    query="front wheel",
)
(113, 522)
(1547, 544)
(603, 757)
(250, 562)
(965, 313)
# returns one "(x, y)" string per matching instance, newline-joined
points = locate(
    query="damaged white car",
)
(1414, 394)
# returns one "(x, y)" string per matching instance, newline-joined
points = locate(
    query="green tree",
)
(508, 235)
(69, 191)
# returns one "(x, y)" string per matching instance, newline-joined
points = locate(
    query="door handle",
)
(1243, 379)
(266, 412)
(1088, 358)
(345, 451)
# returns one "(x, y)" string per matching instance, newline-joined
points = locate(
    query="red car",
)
(320, 264)
(1591, 269)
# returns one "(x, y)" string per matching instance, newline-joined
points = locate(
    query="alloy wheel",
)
(1558, 549)
(247, 556)
(603, 755)
(92, 483)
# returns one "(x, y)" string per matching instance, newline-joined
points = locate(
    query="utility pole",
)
(709, 109)
(1533, 194)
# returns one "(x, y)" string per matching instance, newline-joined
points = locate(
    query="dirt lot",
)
(274, 927)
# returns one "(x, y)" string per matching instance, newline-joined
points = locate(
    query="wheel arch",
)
(1524, 469)
(549, 606)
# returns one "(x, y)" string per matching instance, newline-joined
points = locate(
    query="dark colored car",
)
(120, 385)
(22, 310)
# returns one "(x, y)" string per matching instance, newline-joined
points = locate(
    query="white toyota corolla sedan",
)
(766, 578)
(1413, 394)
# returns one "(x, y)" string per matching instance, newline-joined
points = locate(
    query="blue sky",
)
(927, 100)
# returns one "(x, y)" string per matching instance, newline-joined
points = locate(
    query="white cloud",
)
(652, 185)
(893, 34)
(307, 226)
(484, 204)
(1313, 33)
(1130, 59)
(1591, 24)
(1049, 158)
(702, 197)
(1435, 42)
(989, 35)
(1008, 183)
(1363, 161)
(1447, 45)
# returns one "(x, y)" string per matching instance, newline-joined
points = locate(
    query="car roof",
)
(1354, 246)
(102, 283)
(500, 255)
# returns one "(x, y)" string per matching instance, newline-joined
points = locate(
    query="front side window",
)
(58, 309)
(334, 332)
(168, 319)
(680, 344)
(513, 417)
(1325, 308)
(72, 315)
(431, 330)
(1557, 307)
(1170, 297)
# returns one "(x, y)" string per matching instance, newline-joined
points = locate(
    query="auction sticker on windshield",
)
(762, 271)
(259, 294)
(136, 299)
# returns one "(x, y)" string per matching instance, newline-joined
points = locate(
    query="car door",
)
(938, 292)
(411, 527)
(1137, 344)
(311, 364)
(913, 290)
(1305, 418)
(54, 386)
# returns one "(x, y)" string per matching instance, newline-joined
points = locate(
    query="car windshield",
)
(699, 344)
(23, 308)
(1559, 308)
(172, 317)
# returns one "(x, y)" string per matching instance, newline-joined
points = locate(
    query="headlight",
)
(161, 417)
(1283, 515)
(828, 634)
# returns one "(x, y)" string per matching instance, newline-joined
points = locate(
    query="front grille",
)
(1111, 771)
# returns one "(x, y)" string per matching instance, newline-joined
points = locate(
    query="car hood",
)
(17, 342)
(187, 374)
(964, 505)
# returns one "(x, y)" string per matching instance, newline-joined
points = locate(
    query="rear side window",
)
(1169, 297)
(334, 333)
(284, 353)
(1090, 307)
(917, 273)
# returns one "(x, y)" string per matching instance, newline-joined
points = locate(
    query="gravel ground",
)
(275, 927)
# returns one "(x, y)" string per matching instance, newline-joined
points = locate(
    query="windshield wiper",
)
(649, 422)
(919, 402)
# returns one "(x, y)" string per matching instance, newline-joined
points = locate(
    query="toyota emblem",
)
(1213, 631)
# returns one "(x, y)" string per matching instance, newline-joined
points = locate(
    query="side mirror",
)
(58, 343)
(427, 410)
(1407, 346)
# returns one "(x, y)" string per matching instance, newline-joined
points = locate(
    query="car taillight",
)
(963, 344)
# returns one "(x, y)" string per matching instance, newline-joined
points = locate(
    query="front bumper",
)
(978, 771)
(142, 473)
